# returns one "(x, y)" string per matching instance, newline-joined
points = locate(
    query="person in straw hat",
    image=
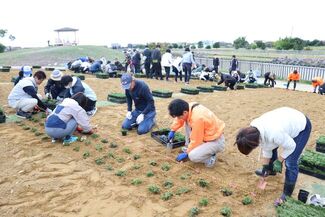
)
(54, 89)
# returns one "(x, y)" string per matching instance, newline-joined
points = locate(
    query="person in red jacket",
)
(317, 82)
(293, 76)
(203, 131)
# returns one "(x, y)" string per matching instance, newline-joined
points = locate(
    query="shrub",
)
(166, 196)
(204, 202)
(225, 211)
(136, 181)
(194, 211)
(154, 189)
(165, 166)
(247, 200)
(203, 183)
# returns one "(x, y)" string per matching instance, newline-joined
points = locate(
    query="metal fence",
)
(281, 71)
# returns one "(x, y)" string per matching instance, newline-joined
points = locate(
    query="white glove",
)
(140, 118)
(48, 111)
(129, 115)
(48, 95)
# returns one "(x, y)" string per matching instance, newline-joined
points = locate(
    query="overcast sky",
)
(103, 22)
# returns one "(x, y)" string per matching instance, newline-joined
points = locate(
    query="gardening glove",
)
(171, 135)
(277, 166)
(265, 170)
(140, 118)
(129, 115)
(48, 111)
(181, 157)
(48, 95)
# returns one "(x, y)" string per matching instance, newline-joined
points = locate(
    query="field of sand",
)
(40, 178)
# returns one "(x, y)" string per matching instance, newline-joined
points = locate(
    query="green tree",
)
(2, 48)
(175, 45)
(200, 44)
(193, 47)
(208, 47)
(260, 44)
(180, 46)
(290, 43)
(241, 43)
(216, 45)
(3, 32)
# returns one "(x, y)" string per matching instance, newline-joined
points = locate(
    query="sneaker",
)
(71, 140)
(23, 114)
(211, 161)
(92, 112)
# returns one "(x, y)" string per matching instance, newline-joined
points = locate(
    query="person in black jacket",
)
(54, 89)
(156, 66)
(216, 64)
(136, 61)
(147, 60)
(269, 78)
(233, 64)
(228, 80)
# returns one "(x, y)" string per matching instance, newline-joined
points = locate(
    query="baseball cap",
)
(56, 75)
(126, 80)
(27, 70)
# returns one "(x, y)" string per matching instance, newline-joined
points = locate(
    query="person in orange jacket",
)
(317, 82)
(293, 76)
(203, 131)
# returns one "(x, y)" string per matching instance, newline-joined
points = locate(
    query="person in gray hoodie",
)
(63, 122)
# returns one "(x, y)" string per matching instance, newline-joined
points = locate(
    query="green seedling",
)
(100, 161)
(41, 124)
(154, 189)
(109, 167)
(165, 166)
(203, 183)
(113, 145)
(33, 129)
(45, 138)
(136, 181)
(99, 147)
(43, 115)
(94, 136)
(111, 155)
(127, 150)
(185, 176)
(225, 211)
(104, 141)
(38, 133)
(167, 196)
(136, 166)
(136, 157)
(120, 173)
(87, 142)
(150, 173)
(168, 184)
(226, 192)
(182, 190)
(194, 211)
(26, 128)
(120, 159)
(77, 148)
(247, 200)
(153, 163)
(203, 202)
(35, 120)
(124, 132)
(86, 154)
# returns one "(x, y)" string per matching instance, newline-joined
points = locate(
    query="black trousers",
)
(294, 84)
(147, 68)
(175, 70)
(167, 70)
(156, 70)
(187, 68)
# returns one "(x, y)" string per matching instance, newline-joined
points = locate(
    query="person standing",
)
(166, 62)
(156, 59)
(283, 127)
(233, 64)
(215, 65)
(147, 60)
(136, 61)
(203, 131)
(144, 114)
(295, 77)
(187, 64)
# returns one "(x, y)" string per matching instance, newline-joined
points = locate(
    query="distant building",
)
(116, 46)
(66, 36)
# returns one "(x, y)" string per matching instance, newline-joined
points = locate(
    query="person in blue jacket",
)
(75, 85)
(144, 113)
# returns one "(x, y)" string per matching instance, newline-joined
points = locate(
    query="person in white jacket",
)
(166, 62)
(177, 68)
(283, 127)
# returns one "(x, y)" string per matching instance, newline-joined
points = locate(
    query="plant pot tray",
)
(205, 89)
(161, 137)
(320, 144)
(162, 93)
(219, 88)
(117, 98)
(191, 91)
(307, 172)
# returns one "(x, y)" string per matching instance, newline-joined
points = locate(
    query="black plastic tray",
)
(307, 172)
(191, 92)
(117, 100)
(156, 135)
(161, 94)
(320, 147)
(219, 88)
(205, 89)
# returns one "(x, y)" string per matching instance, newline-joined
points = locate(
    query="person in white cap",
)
(25, 72)
(144, 113)
(54, 89)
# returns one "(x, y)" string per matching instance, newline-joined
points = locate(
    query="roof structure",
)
(66, 29)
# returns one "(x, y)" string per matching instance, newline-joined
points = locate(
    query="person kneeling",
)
(203, 131)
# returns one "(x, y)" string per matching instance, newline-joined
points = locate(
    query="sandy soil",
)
(39, 178)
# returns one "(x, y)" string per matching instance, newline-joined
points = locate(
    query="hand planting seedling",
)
(127, 150)
(124, 132)
(165, 166)
(120, 173)
(194, 211)
(226, 192)
(109, 167)
(113, 145)
(99, 147)
(154, 189)
(94, 136)
(247, 200)
(168, 184)
(225, 211)
(104, 141)
(136, 166)
(203, 202)
(203, 183)
(100, 161)
(86, 154)
(136, 157)
(166, 196)
(150, 173)
(136, 181)
(153, 163)
(182, 190)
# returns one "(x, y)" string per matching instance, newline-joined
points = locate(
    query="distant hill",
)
(56, 56)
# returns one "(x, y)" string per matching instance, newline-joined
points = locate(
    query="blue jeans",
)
(187, 68)
(145, 126)
(59, 133)
(291, 161)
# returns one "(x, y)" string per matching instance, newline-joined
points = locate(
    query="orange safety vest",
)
(204, 124)
(294, 77)
(317, 81)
